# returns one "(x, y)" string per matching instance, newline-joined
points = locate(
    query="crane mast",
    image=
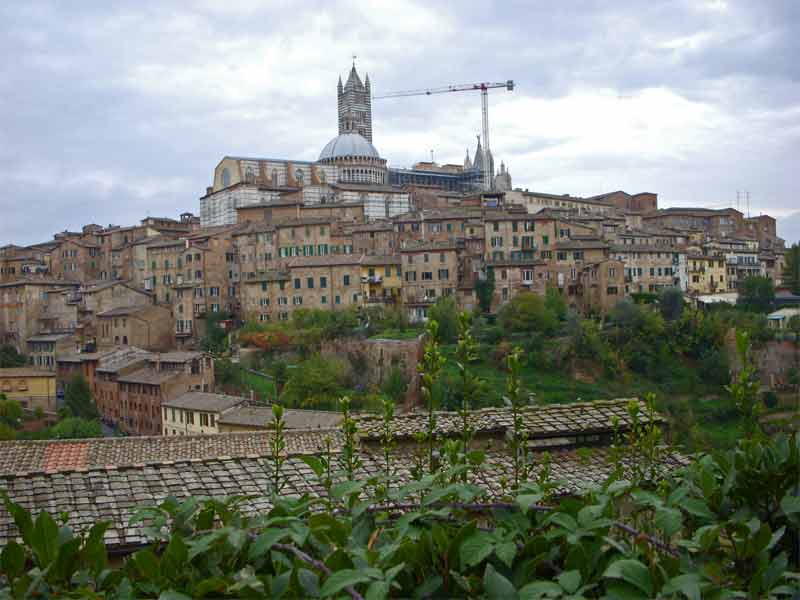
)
(466, 87)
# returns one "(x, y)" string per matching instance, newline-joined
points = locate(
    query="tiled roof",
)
(177, 356)
(114, 494)
(204, 401)
(34, 456)
(261, 416)
(121, 358)
(330, 260)
(149, 376)
(581, 245)
(380, 259)
(25, 372)
(540, 421)
(123, 311)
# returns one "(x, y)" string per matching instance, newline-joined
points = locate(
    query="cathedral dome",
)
(348, 145)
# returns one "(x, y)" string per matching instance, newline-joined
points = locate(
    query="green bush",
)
(527, 312)
(445, 313)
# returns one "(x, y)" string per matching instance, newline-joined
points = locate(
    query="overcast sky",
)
(113, 110)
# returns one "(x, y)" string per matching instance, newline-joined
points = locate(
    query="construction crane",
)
(466, 87)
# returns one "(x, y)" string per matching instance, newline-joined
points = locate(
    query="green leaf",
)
(564, 520)
(12, 560)
(475, 549)
(212, 585)
(669, 521)
(347, 488)
(496, 586)
(540, 589)
(45, 539)
(309, 581)
(696, 507)
(688, 585)
(265, 541)
(428, 587)
(22, 519)
(377, 590)
(314, 463)
(506, 552)
(570, 581)
(525, 501)
(341, 579)
(790, 504)
(173, 595)
(631, 571)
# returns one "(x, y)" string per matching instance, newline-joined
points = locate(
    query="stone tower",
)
(355, 105)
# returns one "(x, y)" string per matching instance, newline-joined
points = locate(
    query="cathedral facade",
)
(348, 169)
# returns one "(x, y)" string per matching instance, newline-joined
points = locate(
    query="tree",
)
(9, 357)
(527, 312)
(78, 400)
(791, 269)
(216, 337)
(317, 382)
(554, 301)
(280, 375)
(670, 302)
(445, 313)
(10, 412)
(484, 290)
(395, 385)
(757, 293)
(75, 427)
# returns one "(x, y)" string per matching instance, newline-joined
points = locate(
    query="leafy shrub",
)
(445, 313)
(527, 312)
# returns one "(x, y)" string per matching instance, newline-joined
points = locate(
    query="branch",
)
(317, 564)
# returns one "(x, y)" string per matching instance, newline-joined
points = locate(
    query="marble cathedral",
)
(349, 169)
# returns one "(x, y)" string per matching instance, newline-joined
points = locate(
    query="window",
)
(297, 300)
(297, 283)
(337, 300)
(561, 255)
(323, 282)
(347, 280)
(323, 300)
(427, 276)
(444, 274)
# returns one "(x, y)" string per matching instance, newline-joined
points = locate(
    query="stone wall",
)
(774, 360)
(374, 359)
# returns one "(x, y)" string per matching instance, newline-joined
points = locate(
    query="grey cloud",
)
(77, 97)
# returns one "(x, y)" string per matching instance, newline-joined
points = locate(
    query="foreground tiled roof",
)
(114, 494)
(540, 421)
(35, 456)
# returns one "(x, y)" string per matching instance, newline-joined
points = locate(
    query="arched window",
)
(249, 175)
(226, 177)
(300, 176)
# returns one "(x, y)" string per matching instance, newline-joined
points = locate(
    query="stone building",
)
(381, 278)
(148, 327)
(33, 388)
(650, 268)
(22, 304)
(430, 271)
(43, 350)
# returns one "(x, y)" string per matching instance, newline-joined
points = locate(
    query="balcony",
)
(371, 279)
